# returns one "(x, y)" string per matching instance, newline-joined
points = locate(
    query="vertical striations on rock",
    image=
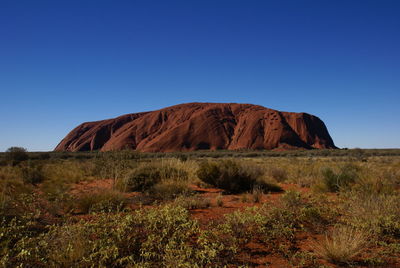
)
(201, 126)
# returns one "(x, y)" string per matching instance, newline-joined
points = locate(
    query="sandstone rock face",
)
(201, 126)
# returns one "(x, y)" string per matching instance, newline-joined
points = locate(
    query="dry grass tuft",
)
(192, 202)
(342, 244)
(257, 194)
(219, 200)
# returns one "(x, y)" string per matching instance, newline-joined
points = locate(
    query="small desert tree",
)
(15, 155)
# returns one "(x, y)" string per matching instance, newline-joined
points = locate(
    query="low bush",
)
(55, 191)
(148, 175)
(241, 226)
(373, 184)
(234, 176)
(158, 237)
(292, 199)
(102, 201)
(170, 189)
(14, 231)
(32, 173)
(311, 212)
(68, 171)
(14, 194)
(266, 226)
(270, 224)
(334, 181)
(114, 164)
(15, 155)
(194, 202)
(377, 213)
(278, 174)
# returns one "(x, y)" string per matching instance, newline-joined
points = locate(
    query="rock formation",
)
(201, 126)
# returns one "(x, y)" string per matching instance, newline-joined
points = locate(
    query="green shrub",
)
(234, 176)
(209, 172)
(107, 200)
(157, 237)
(32, 173)
(334, 181)
(269, 224)
(377, 213)
(115, 164)
(44, 156)
(146, 176)
(292, 199)
(308, 210)
(170, 189)
(15, 155)
(55, 190)
(373, 184)
(263, 224)
(243, 225)
(15, 195)
(68, 171)
(12, 232)
(140, 179)
(279, 174)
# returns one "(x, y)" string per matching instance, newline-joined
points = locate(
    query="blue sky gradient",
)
(66, 62)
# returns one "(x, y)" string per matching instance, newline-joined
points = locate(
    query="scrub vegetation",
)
(319, 208)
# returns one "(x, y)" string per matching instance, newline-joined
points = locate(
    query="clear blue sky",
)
(66, 62)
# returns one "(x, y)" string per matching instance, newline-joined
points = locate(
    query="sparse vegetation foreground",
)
(330, 208)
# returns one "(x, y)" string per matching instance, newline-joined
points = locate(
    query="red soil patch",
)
(92, 186)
